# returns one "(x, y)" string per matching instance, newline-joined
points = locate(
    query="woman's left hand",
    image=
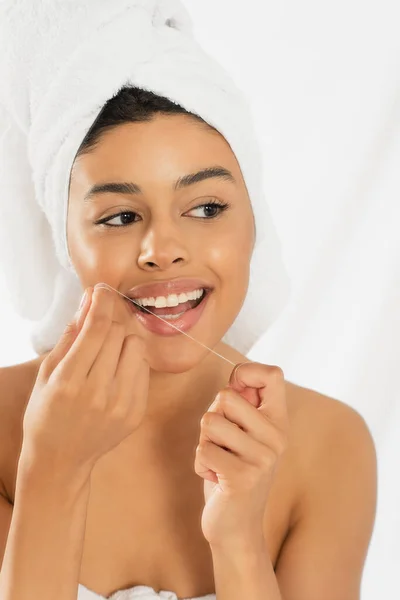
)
(243, 434)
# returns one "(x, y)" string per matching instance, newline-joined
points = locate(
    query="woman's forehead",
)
(166, 148)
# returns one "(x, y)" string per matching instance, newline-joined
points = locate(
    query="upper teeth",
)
(171, 300)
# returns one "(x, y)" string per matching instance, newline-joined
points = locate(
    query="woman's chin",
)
(180, 361)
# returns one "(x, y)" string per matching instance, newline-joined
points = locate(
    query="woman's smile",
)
(183, 316)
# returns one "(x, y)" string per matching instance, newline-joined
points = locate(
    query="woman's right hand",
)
(91, 389)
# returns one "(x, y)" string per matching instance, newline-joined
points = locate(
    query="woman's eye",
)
(125, 217)
(209, 210)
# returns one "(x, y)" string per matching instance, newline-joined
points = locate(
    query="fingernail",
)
(100, 285)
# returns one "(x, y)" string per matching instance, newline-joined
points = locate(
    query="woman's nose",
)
(160, 250)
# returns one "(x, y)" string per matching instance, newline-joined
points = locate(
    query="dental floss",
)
(158, 317)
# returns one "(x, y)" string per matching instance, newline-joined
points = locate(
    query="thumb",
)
(67, 337)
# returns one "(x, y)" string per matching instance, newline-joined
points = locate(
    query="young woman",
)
(120, 467)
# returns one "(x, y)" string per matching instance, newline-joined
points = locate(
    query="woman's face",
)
(164, 233)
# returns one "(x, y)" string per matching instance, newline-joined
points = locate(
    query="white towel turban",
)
(60, 61)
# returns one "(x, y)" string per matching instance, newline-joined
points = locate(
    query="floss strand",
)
(158, 317)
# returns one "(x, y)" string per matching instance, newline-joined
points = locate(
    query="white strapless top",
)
(139, 592)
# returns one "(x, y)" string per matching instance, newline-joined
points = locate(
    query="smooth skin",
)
(323, 551)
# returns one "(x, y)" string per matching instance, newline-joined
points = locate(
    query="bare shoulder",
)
(326, 416)
(16, 384)
(308, 403)
(336, 461)
(326, 428)
(336, 464)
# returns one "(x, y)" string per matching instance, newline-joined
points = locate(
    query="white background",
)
(323, 81)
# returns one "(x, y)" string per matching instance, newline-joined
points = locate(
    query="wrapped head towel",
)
(60, 61)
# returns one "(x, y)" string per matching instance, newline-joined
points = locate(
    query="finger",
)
(233, 378)
(84, 309)
(269, 382)
(90, 339)
(205, 473)
(103, 371)
(230, 437)
(212, 458)
(250, 394)
(250, 420)
(226, 434)
(67, 338)
(132, 378)
(231, 405)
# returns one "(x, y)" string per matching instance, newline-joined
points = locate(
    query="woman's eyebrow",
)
(129, 187)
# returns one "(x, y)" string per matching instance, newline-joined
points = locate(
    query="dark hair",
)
(135, 105)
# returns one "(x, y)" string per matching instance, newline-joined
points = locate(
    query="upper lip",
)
(165, 288)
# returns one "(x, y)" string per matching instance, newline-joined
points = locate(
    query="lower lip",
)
(161, 327)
